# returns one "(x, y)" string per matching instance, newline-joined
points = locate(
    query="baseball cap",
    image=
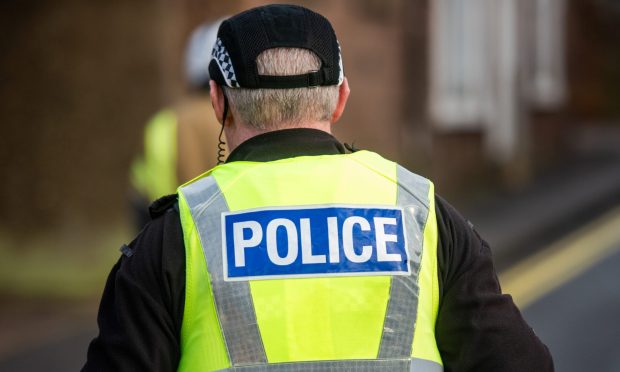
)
(243, 37)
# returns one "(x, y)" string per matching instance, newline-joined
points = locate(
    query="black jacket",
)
(478, 328)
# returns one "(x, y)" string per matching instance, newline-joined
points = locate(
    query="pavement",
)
(65, 353)
(44, 334)
(518, 224)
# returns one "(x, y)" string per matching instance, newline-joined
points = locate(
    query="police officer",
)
(180, 140)
(297, 255)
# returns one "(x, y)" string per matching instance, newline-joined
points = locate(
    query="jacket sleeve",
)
(142, 304)
(478, 328)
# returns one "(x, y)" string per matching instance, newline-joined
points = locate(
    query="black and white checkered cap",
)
(243, 37)
(222, 59)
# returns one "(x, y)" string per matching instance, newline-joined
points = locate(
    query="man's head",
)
(198, 54)
(279, 66)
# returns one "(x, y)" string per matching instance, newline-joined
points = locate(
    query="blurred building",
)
(474, 94)
(492, 65)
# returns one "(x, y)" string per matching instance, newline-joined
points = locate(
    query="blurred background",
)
(512, 107)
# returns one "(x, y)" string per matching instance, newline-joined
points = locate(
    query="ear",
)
(217, 100)
(343, 96)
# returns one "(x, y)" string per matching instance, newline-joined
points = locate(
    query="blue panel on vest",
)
(312, 242)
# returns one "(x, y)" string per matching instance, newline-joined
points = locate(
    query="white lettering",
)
(332, 235)
(272, 242)
(306, 244)
(347, 239)
(285, 240)
(382, 238)
(241, 243)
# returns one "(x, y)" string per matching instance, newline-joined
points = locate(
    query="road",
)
(569, 292)
(579, 320)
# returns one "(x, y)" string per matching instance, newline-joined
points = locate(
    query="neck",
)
(237, 133)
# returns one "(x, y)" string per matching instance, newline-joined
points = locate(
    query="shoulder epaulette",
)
(161, 205)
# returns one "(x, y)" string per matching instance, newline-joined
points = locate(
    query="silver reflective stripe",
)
(331, 365)
(391, 365)
(400, 317)
(233, 300)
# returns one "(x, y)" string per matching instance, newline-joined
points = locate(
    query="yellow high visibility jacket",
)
(180, 143)
(154, 174)
(310, 263)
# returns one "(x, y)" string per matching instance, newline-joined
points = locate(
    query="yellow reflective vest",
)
(180, 143)
(310, 263)
(154, 174)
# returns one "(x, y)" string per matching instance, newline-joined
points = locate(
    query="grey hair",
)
(283, 108)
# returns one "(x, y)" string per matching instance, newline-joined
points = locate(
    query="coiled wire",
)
(221, 149)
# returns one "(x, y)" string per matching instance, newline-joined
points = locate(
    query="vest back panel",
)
(312, 318)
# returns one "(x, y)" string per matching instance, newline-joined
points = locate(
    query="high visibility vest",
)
(265, 293)
(154, 174)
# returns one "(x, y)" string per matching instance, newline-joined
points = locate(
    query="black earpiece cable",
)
(221, 150)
